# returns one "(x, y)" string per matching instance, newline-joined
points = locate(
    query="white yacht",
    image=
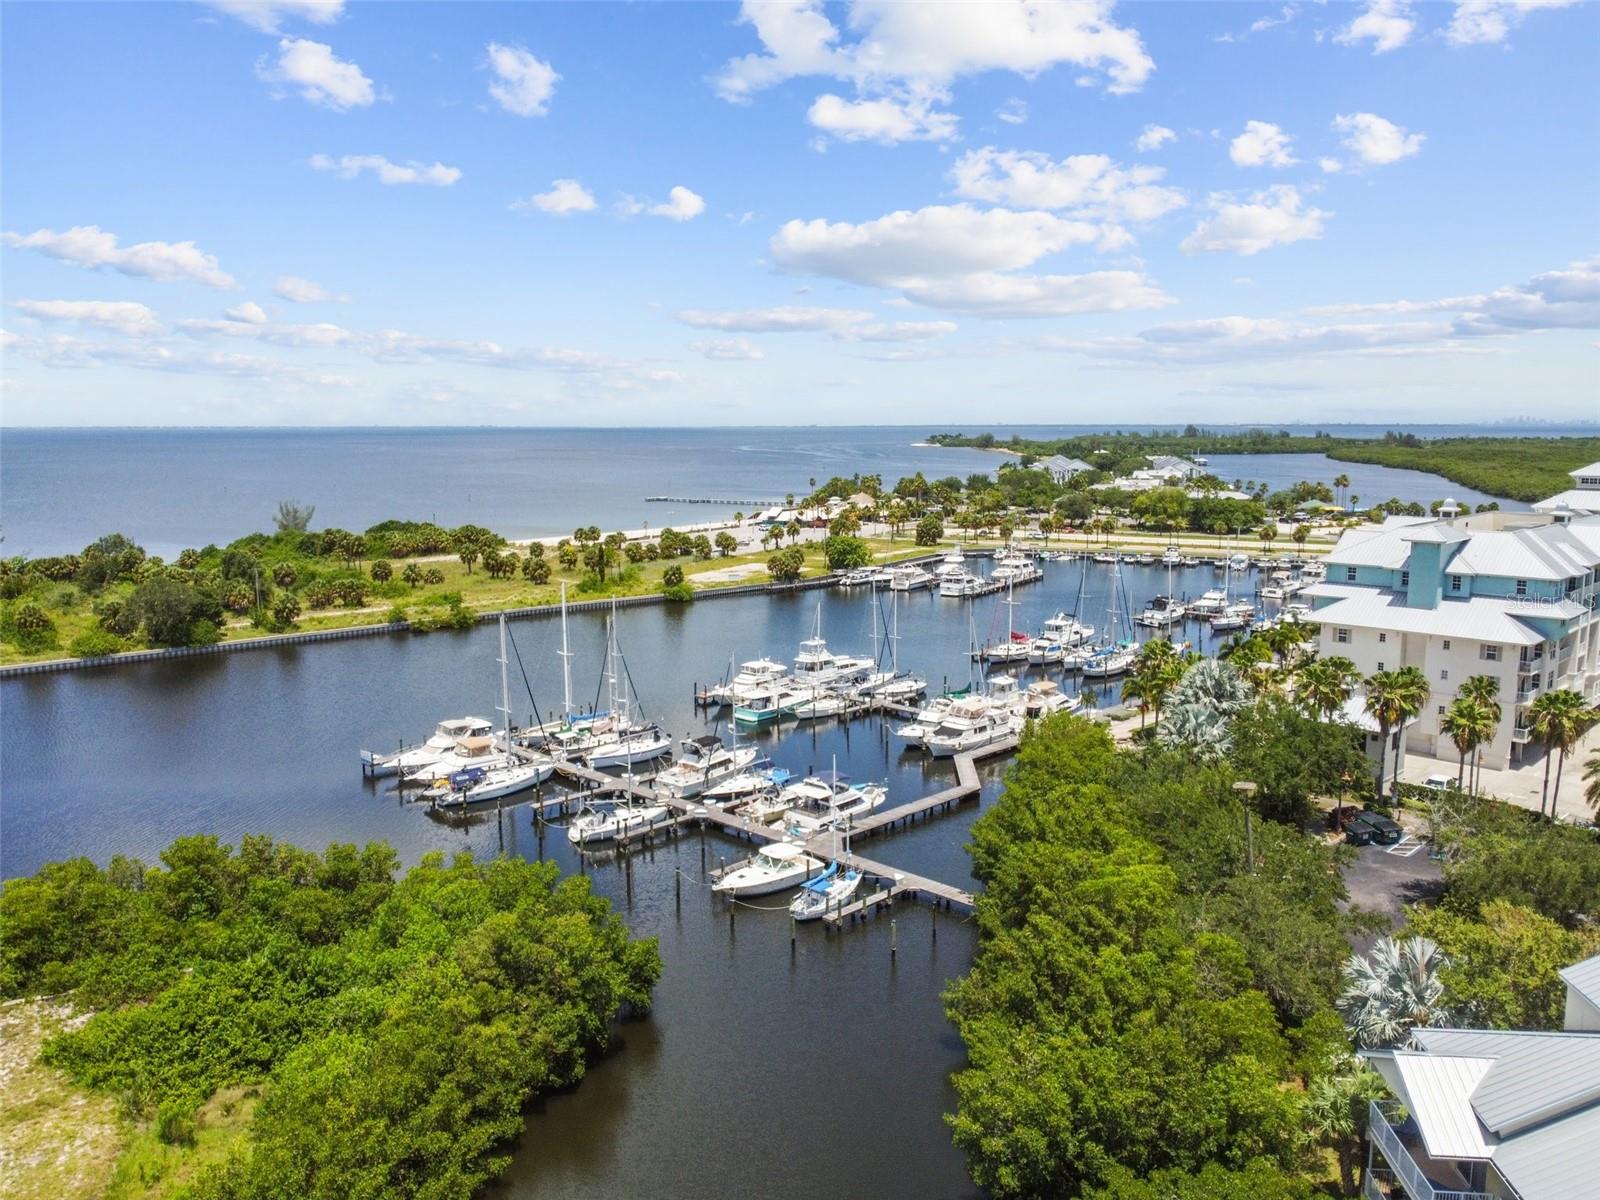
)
(961, 583)
(595, 825)
(857, 578)
(468, 753)
(440, 742)
(1209, 604)
(703, 762)
(1161, 612)
(824, 801)
(971, 724)
(1238, 562)
(1044, 698)
(953, 563)
(752, 677)
(1109, 661)
(908, 578)
(759, 776)
(778, 699)
(775, 868)
(1172, 557)
(828, 892)
(819, 704)
(816, 666)
(512, 774)
(929, 717)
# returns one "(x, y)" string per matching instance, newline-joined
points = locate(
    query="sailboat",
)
(578, 733)
(1113, 657)
(830, 891)
(1063, 631)
(627, 742)
(511, 775)
(891, 684)
(1017, 645)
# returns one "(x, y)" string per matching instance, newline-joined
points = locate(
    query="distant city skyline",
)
(309, 212)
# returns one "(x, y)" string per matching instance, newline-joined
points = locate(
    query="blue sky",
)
(307, 212)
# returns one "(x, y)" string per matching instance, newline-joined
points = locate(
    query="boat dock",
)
(891, 882)
(758, 504)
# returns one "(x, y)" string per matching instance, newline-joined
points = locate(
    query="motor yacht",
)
(607, 824)
(909, 577)
(953, 563)
(971, 724)
(440, 742)
(752, 677)
(828, 800)
(775, 868)
(1161, 612)
(703, 762)
(959, 584)
(759, 776)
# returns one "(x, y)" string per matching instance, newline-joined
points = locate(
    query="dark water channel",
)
(760, 1072)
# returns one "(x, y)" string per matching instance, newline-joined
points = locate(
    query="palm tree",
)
(1394, 990)
(1557, 719)
(1340, 482)
(1287, 637)
(1468, 724)
(1335, 1115)
(1300, 534)
(1268, 534)
(1484, 690)
(1393, 698)
(1591, 776)
(1326, 685)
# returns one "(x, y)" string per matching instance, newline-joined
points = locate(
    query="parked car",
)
(1439, 783)
(1383, 830)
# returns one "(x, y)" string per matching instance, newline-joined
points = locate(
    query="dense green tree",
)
(1557, 719)
(845, 553)
(930, 531)
(169, 610)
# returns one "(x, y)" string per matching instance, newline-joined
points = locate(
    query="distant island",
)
(1514, 468)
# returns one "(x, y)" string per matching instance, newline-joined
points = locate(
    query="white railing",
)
(1402, 1166)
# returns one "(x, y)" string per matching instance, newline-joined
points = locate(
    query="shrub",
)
(175, 1123)
(382, 572)
(680, 593)
(96, 643)
(672, 576)
(32, 627)
(930, 531)
(286, 610)
(284, 575)
(433, 576)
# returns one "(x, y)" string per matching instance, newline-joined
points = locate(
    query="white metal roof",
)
(1375, 545)
(1579, 500)
(1584, 978)
(1592, 469)
(1483, 618)
(1438, 1091)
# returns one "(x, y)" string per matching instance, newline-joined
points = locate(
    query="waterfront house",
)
(1061, 468)
(1581, 499)
(1512, 595)
(1479, 1114)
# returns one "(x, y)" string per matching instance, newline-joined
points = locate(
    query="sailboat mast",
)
(566, 657)
(505, 689)
(894, 635)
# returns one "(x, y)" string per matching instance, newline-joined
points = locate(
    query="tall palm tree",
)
(1484, 690)
(1393, 698)
(1326, 684)
(1591, 776)
(1287, 637)
(1468, 724)
(1557, 719)
(1393, 991)
(1335, 1115)
(1340, 482)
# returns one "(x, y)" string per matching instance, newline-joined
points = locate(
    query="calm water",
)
(1373, 484)
(170, 488)
(750, 1055)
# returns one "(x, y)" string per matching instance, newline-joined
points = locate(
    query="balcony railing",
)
(1402, 1168)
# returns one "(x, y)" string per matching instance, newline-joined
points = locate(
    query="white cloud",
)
(1261, 25)
(784, 319)
(681, 205)
(1013, 112)
(1330, 166)
(1564, 299)
(1375, 141)
(729, 350)
(1262, 144)
(123, 316)
(922, 46)
(268, 15)
(1388, 24)
(895, 331)
(1153, 137)
(249, 312)
(1088, 185)
(882, 120)
(523, 85)
(348, 166)
(90, 246)
(566, 196)
(305, 291)
(957, 257)
(1270, 218)
(1477, 22)
(320, 77)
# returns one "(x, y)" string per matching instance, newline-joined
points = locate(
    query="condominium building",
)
(1484, 1114)
(1582, 499)
(1510, 595)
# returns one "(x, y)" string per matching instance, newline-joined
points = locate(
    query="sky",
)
(307, 212)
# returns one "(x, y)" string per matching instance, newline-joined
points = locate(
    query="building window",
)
(1383, 637)
(1350, 574)
(1341, 635)
(1380, 666)
(1405, 578)
(1444, 676)
(1440, 710)
(1522, 587)
(1447, 643)
(1455, 583)
(1489, 652)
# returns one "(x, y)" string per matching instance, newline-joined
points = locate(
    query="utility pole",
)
(1247, 795)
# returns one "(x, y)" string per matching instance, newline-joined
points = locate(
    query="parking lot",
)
(1386, 878)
